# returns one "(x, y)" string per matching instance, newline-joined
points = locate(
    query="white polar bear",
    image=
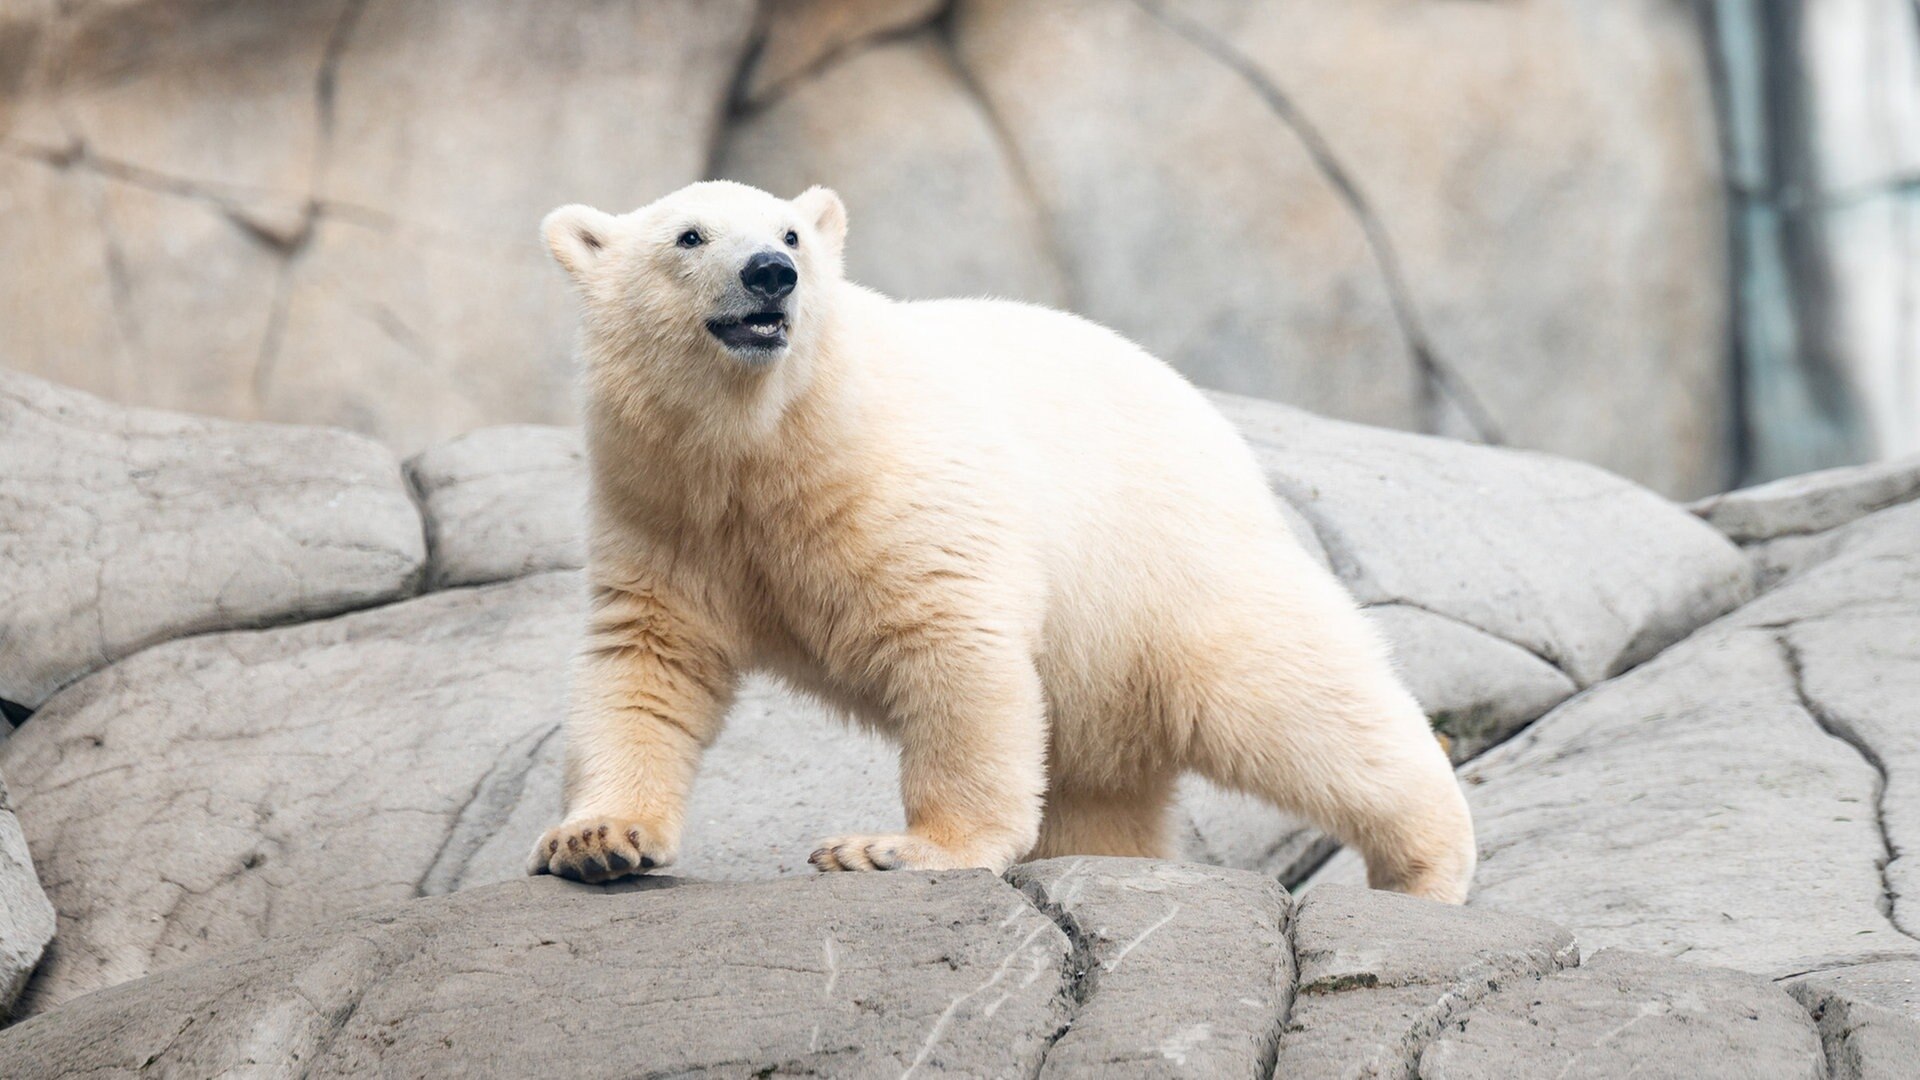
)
(1007, 538)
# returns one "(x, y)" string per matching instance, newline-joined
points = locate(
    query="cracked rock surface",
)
(1619, 1013)
(1124, 967)
(125, 527)
(501, 503)
(1717, 779)
(1866, 1014)
(325, 212)
(1153, 987)
(1791, 524)
(1638, 812)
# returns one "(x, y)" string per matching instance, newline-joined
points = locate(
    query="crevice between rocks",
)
(1841, 731)
(740, 104)
(1080, 980)
(1442, 387)
(1455, 999)
(485, 810)
(1535, 652)
(281, 620)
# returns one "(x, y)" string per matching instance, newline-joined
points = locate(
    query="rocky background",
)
(282, 700)
(1673, 238)
(289, 714)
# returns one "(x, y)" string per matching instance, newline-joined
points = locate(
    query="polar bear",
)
(1007, 538)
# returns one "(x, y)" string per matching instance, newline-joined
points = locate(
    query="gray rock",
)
(1184, 970)
(26, 916)
(802, 35)
(1487, 537)
(357, 761)
(1868, 1016)
(855, 975)
(123, 527)
(326, 212)
(1811, 502)
(1622, 1014)
(1604, 140)
(1382, 974)
(1186, 214)
(1404, 239)
(1635, 811)
(1850, 629)
(410, 749)
(1789, 525)
(896, 119)
(502, 503)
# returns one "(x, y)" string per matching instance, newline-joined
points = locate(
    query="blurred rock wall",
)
(1822, 105)
(1503, 221)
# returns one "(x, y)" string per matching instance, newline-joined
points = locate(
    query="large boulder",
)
(1108, 967)
(1486, 537)
(325, 211)
(122, 527)
(1746, 798)
(940, 974)
(1366, 208)
(502, 503)
(410, 749)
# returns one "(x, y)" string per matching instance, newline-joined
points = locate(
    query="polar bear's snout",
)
(769, 275)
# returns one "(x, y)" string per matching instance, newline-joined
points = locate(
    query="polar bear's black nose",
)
(769, 274)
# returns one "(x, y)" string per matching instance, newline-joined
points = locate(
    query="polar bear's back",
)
(1140, 494)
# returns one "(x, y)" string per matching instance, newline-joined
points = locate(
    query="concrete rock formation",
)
(276, 828)
(1126, 967)
(325, 212)
(1637, 810)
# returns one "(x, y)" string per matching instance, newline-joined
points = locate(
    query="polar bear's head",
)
(716, 275)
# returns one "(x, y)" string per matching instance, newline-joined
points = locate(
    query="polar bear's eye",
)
(690, 238)
(793, 239)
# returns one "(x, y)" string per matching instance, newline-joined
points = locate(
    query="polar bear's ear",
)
(829, 215)
(578, 237)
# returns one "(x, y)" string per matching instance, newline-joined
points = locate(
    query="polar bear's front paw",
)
(599, 849)
(901, 851)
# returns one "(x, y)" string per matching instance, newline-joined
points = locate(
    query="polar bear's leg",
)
(1351, 752)
(970, 719)
(650, 689)
(1082, 822)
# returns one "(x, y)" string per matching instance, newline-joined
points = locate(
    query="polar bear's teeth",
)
(764, 329)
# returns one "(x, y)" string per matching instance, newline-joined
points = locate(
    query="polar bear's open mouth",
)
(760, 330)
